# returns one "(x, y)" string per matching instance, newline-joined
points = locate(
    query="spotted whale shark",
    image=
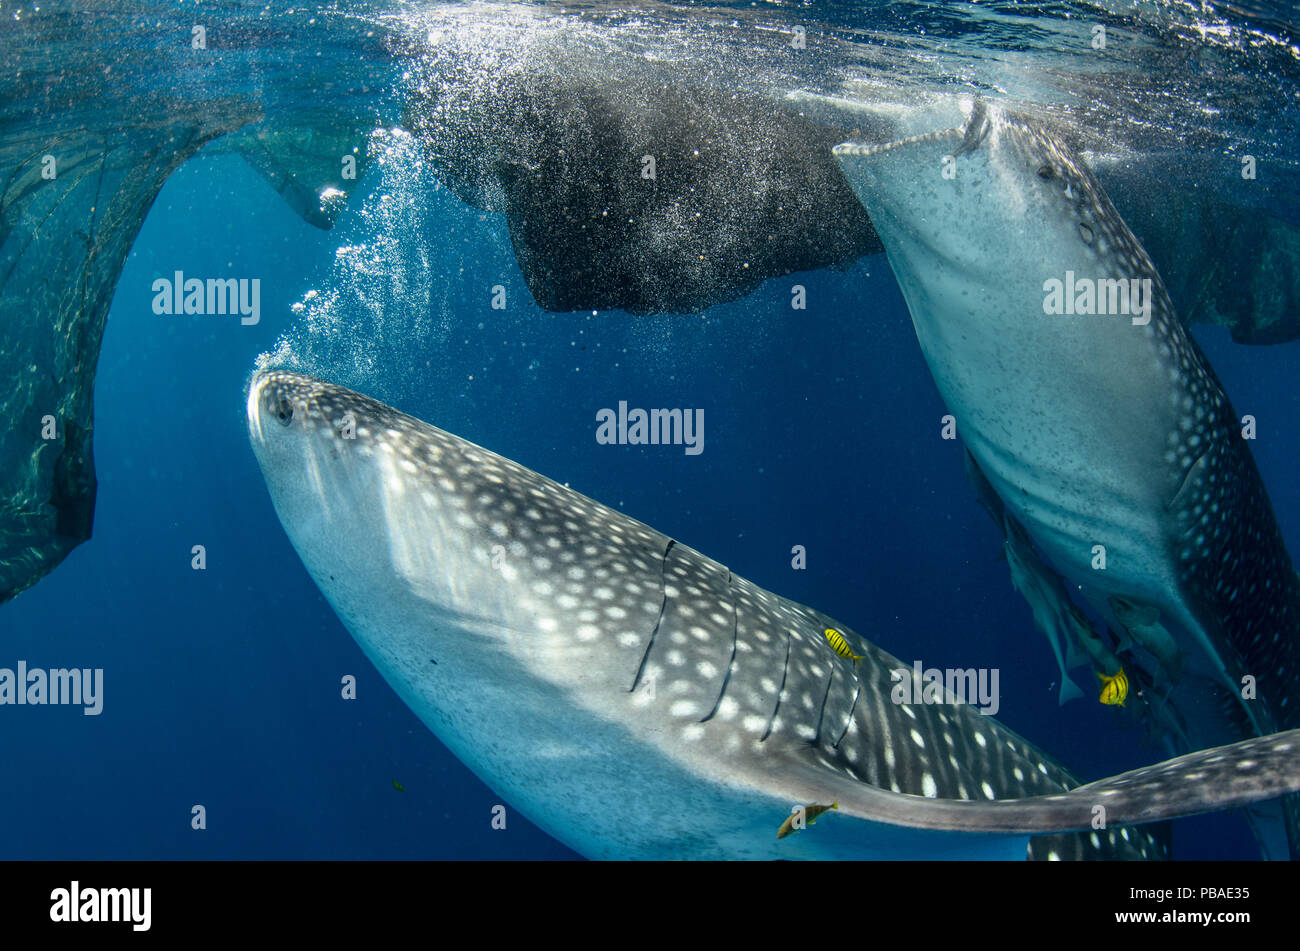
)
(1100, 424)
(636, 699)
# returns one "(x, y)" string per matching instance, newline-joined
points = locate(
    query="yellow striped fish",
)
(841, 646)
(1114, 689)
(809, 813)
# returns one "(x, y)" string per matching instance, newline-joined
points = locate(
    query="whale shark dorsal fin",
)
(1219, 778)
(975, 130)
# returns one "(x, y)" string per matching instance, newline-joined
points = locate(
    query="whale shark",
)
(1101, 427)
(637, 699)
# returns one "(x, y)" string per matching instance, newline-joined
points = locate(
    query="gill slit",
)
(1187, 477)
(821, 714)
(735, 636)
(663, 606)
(849, 721)
(781, 692)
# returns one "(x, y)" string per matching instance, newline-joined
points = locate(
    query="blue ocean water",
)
(222, 686)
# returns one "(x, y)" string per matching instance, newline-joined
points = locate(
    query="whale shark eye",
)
(1045, 172)
(284, 411)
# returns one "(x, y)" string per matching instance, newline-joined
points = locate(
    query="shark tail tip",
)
(1069, 691)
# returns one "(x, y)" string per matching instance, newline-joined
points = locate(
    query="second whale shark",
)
(1093, 414)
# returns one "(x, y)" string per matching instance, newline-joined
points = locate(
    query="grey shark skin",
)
(637, 700)
(1094, 430)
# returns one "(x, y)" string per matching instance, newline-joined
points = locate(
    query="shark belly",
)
(1069, 418)
(1091, 412)
(607, 763)
(1074, 461)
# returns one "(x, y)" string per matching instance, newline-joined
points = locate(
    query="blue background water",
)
(222, 686)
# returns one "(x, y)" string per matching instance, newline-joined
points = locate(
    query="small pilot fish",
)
(810, 814)
(841, 646)
(1114, 689)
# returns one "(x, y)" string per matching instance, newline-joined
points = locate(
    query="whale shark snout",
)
(342, 470)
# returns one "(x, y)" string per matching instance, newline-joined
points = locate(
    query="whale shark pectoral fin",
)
(1223, 777)
(1075, 654)
(1043, 590)
(1049, 603)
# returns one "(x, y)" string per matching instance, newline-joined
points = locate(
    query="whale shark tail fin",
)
(1225, 777)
